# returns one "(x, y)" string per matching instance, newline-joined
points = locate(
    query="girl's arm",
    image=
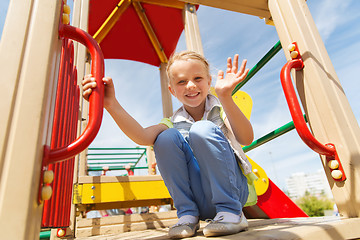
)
(132, 129)
(240, 125)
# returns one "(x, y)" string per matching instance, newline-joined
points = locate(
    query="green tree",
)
(314, 206)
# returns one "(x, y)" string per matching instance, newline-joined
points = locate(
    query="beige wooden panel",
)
(12, 47)
(81, 56)
(20, 215)
(252, 7)
(81, 8)
(82, 169)
(323, 98)
(191, 29)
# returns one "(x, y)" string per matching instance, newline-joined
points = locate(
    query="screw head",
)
(46, 192)
(291, 47)
(333, 164)
(294, 54)
(336, 174)
(60, 232)
(48, 176)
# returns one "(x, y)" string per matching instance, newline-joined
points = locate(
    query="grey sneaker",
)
(183, 230)
(219, 228)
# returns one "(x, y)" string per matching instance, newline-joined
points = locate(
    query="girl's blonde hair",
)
(185, 56)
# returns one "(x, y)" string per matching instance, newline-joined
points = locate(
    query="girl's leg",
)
(180, 172)
(222, 179)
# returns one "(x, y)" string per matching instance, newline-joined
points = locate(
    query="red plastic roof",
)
(128, 38)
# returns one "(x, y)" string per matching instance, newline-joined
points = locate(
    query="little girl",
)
(198, 149)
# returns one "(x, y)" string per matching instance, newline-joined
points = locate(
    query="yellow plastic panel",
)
(123, 191)
(242, 100)
(262, 184)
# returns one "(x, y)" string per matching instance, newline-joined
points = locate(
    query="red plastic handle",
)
(296, 112)
(96, 99)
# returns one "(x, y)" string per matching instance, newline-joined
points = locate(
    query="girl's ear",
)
(171, 90)
(210, 80)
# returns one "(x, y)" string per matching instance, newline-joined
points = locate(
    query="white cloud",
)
(329, 14)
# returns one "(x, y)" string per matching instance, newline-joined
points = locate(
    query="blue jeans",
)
(201, 174)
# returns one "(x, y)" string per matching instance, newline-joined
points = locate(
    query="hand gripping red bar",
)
(297, 116)
(96, 99)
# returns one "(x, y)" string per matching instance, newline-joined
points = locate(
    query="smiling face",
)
(190, 83)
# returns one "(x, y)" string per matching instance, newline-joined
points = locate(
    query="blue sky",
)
(138, 84)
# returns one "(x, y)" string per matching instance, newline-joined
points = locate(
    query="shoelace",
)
(181, 224)
(215, 221)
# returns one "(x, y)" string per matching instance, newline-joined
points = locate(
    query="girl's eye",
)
(181, 82)
(198, 78)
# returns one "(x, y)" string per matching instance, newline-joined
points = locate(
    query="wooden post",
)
(151, 160)
(191, 28)
(81, 58)
(326, 106)
(165, 93)
(29, 59)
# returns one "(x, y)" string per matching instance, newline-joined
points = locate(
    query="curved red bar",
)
(96, 98)
(296, 112)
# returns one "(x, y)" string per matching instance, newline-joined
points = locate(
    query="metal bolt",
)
(294, 54)
(191, 8)
(92, 197)
(291, 47)
(92, 187)
(336, 174)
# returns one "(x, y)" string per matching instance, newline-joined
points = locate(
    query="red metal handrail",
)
(296, 112)
(96, 98)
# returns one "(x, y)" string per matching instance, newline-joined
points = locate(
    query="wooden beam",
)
(150, 31)
(111, 20)
(253, 7)
(164, 3)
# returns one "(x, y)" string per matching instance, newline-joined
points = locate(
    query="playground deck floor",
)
(318, 228)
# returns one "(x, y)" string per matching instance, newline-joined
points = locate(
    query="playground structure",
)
(317, 83)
